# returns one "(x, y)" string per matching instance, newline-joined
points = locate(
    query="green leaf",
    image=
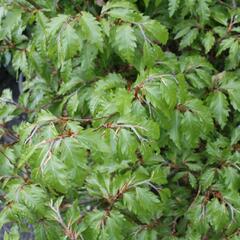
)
(126, 15)
(225, 44)
(75, 159)
(91, 29)
(46, 116)
(159, 175)
(147, 234)
(116, 225)
(32, 196)
(3, 12)
(190, 128)
(192, 180)
(207, 178)
(189, 38)
(219, 107)
(173, 6)
(235, 136)
(123, 101)
(218, 214)
(234, 54)
(146, 2)
(20, 62)
(124, 40)
(72, 104)
(125, 138)
(68, 44)
(231, 178)
(118, 4)
(55, 175)
(127, 143)
(204, 114)
(11, 20)
(47, 230)
(208, 41)
(220, 16)
(146, 199)
(12, 235)
(183, 31)
(6, 166)
(153, 95)
(174, 132)
(151, 53)
(156, 31)
(168, 91)
(151, 129)
(203, 10)
(56, 23)
(232, 87)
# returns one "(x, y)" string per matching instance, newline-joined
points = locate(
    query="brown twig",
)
(112, 200)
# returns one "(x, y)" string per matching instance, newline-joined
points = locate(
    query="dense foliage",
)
(133, 127)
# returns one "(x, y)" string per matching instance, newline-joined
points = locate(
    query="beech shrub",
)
(133, 128)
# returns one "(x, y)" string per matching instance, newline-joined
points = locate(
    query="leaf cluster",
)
(133, 119)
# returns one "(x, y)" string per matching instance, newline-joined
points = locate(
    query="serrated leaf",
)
(151, 129)
(192, 180)
(147, 234)
(124, 40)
(45, 116)
(220, 16)
(146, 199)
(232, 87)
(11, 20)
(68, 43)
(203, 10)
(168, 91)
(235, 136)
(56, 23)
(91, 29)
(203, 113)
(55, 175)
(218, 214)
(190, 128)
(219, 107)
(182, 32)
(159, 175)
(234, 54)
(72, 104)
(127, 143)
(225, 44)
(32, 196)
(150, 54)
(123, 101)
(189, 38)
(20, 62)
(157, 31)
(173, 6)
(208, 41)
(47, 230)
(72, 153)
(115, 225)
(174, 131)
(231, 178)
(126, 15)
(13, 234)
(118, 4)
(207, 178)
